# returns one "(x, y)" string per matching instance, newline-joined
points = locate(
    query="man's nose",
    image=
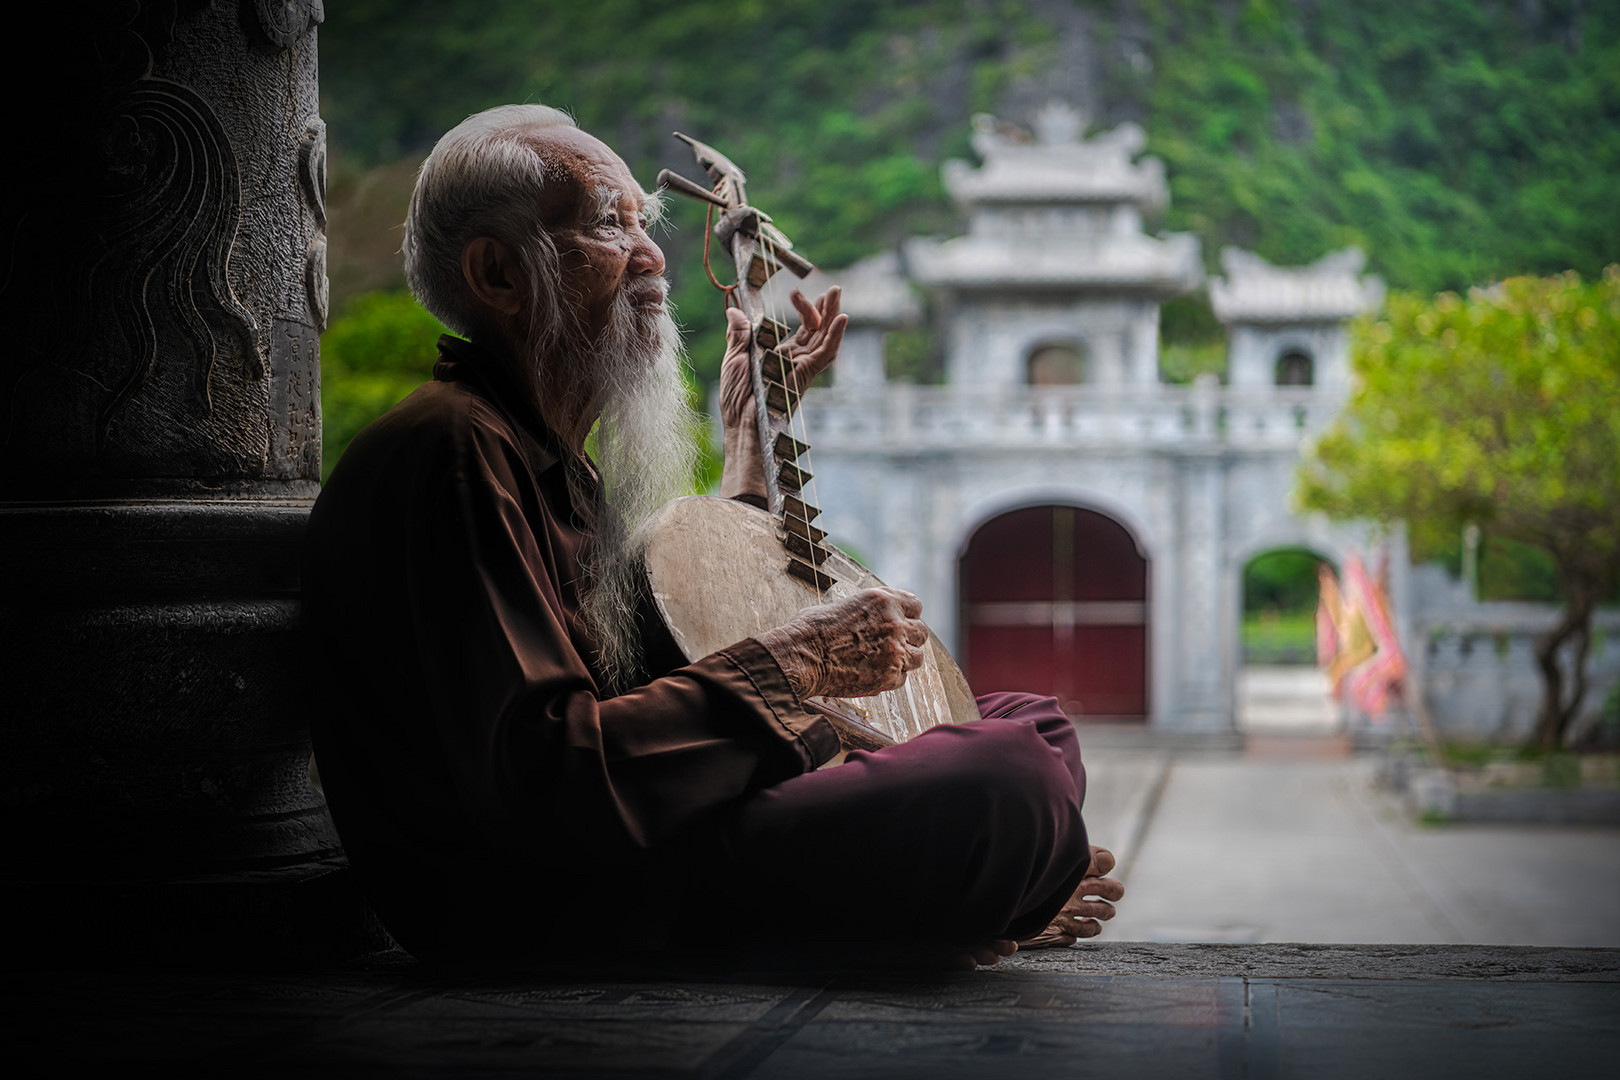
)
(647, 258)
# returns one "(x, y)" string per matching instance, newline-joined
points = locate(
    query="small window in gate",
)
(1295, 369)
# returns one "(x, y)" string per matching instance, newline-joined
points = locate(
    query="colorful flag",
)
(1349, 643)
(1375, 680)
(1328, 609)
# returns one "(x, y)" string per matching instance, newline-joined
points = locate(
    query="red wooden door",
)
(1054, 601)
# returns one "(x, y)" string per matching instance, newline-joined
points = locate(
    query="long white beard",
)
(646, 452)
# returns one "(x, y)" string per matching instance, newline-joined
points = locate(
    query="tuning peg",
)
(676, 182)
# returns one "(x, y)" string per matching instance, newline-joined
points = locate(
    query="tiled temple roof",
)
(1332, 287)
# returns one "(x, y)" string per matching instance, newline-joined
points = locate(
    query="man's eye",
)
(608, 221)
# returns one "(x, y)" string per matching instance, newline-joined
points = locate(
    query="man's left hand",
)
(808, 352)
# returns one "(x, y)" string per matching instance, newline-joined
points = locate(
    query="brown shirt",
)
(480, 778)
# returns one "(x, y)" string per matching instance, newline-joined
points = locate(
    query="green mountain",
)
(1457, 141)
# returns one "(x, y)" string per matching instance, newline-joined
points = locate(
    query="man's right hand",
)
(851, 648)
(1083, 915)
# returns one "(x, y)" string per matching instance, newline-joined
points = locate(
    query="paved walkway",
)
(1291, 846)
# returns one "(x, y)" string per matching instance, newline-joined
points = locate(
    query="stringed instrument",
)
(721, 570)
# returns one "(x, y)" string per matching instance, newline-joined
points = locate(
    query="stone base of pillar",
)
(155, 795)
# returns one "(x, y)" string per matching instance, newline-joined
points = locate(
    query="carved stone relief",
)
(285, 21)
(316, 287)
(312, 167)
(167, 230)
(176, 212)
(312, 179)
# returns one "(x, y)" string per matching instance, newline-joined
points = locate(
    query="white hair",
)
(483, 178)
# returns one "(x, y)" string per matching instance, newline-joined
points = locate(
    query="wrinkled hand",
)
(808, 352)
(852, 648)
(1082, 917)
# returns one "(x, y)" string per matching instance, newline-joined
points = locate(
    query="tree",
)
(379, 349)
(1501, 408)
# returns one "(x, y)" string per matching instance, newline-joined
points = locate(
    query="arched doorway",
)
(1280, 689)
(1295, 368)
(1056, 364)
(1054, 601)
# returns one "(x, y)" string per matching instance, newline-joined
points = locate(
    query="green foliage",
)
(1283, 580)
(1457, 143)
(1279, 607)
(1501, 408)
(1180, 364)
(835, 107)
(1188, 320)
(381, 348)
(1507, 569)
(908, 355)
(1191, 340)
(1561, 771)
(1273, 638)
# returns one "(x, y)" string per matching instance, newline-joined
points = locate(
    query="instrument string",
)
(774, 310)
(798, 426)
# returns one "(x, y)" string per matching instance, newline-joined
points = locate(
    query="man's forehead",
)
(582, 170)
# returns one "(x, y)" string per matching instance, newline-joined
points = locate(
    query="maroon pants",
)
(961, 834)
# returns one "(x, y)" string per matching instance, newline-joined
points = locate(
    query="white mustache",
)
(645, 289)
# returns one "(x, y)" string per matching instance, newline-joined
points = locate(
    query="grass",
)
(1279, 637)
(1536, 766)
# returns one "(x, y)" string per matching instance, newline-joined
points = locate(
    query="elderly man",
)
(519, 765)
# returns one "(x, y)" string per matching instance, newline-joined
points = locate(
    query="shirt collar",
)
(494, 374)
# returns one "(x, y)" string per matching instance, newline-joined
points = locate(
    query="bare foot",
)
(1091, 905)
(984, 954)
(947, 957)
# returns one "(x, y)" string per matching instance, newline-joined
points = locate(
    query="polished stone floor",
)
(1119, 1009)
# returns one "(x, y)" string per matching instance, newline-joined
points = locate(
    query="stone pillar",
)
(1203, 692)
(161, 434)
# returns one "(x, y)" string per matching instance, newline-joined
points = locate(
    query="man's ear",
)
(493, 274)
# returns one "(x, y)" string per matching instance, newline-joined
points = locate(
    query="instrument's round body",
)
(716, 570)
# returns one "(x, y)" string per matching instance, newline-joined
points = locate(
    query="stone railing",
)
(935, 417)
